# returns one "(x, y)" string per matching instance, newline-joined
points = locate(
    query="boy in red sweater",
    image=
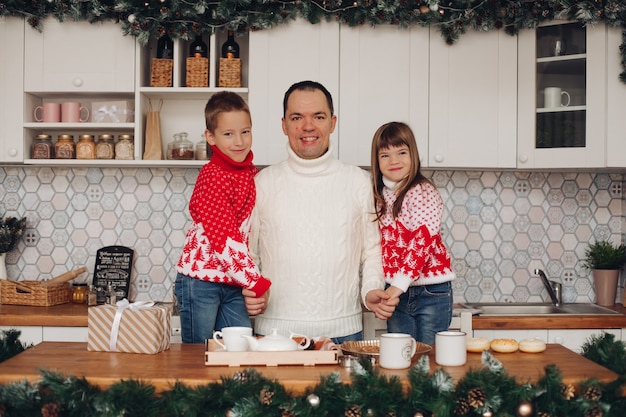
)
(216, 264)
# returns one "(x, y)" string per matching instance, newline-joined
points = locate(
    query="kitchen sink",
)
(538, 309)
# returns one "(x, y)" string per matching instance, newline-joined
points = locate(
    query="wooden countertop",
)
(185, 363)
(73, 315)
(552, 322)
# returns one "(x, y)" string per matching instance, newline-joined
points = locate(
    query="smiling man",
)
(313, 231)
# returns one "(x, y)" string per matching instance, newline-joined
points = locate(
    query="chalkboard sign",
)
(113, 265)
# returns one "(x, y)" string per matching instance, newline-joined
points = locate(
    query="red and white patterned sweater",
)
(216, 245)
(413, 250)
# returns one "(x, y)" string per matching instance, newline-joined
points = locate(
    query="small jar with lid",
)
(125, 147)
(105, 148)
(203, 150)
(64, 147)
(86, 147)
(79, 293)
(42, 147)
(183, 149)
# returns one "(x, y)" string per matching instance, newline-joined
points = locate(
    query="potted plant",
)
(605, 260)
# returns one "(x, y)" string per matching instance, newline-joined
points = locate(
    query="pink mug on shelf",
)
(48, 113)
(71, 112)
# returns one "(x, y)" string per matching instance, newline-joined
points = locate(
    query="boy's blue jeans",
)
(423, 311)
(207, 306)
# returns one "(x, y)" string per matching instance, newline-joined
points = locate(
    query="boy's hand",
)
(255, 305)
(394, 292)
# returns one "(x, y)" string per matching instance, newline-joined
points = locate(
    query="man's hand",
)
(255, 305)
(381, 303)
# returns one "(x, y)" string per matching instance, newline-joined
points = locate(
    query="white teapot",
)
(276, 342)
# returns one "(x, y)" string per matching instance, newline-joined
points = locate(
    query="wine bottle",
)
(230, 48)
(198, 48)
(165, 47)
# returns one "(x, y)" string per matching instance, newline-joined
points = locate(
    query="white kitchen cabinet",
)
(38, 334)
(573, 134)
(572, 339)
(11, 88)
(79, 57)
(473, 101)
(28, 334)
(278, 58)
(383, 78)
(616, 99)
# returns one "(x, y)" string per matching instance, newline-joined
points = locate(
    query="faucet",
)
(553, 288)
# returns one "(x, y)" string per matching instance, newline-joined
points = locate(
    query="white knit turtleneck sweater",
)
(312, 227)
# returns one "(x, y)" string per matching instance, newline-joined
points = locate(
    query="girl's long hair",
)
(391, 135)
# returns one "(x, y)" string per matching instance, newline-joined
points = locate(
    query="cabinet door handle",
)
(438, 158)
(78, 82)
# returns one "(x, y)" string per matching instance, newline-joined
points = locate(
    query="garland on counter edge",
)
(486, 392)
(147, 19)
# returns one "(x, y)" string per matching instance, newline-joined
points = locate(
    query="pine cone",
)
(543, 414)
(50, 410)
(593, 393)
(241, 377)
(287, 413)
(461, 408)
(568, 391)
(476, 397)
(594, 411)
(265, 397)
(353, 411)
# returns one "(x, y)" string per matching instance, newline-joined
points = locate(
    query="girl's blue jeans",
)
(423, 311)
(206, 307)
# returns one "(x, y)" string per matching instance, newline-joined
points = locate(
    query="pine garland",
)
(488, 391)
(146, 19)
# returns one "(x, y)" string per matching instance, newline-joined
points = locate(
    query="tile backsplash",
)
(499, 226)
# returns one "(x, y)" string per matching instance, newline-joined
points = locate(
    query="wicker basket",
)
(161, 72)
(230, 72)
(32, 293)
(197, 72)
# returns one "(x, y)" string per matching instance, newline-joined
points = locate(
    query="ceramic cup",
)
(71, 112)
(229, 338)
(48, 113)
(553, 97)
(396, 350)
(450, 348)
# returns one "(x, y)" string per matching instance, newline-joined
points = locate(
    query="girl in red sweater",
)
(216, 264)
(409, 209)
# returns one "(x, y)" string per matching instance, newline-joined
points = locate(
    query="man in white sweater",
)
(313, 232)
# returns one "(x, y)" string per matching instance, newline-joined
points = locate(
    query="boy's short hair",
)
(224, 101)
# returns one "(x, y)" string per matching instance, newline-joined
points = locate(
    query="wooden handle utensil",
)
(64, 277)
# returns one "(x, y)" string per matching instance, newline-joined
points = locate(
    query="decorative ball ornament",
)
(132, 18)
(487, 413)
(313, 399)
(418, 414)
(525, 409)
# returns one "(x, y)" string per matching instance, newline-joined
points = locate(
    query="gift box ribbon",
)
(112, 112)
(121, 306)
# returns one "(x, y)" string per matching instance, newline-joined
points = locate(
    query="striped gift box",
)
(129, 327)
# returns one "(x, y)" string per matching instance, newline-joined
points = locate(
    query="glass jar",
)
(79, 293)
(64, 147)
(125, 147)
(105, 148)
(182, 149)
(42, 147)
(86, 147)
(202, 149)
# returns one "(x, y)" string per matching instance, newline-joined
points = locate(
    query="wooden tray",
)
(214, 356)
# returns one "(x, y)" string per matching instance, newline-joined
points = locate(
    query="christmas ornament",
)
(525, 409)
(487, 413)
(418, 414)
(132, 18)
(313, 399)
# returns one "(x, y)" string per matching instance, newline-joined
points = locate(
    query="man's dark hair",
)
(308, 86)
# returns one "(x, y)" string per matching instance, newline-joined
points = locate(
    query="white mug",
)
(553, 97)
(396, 350)
(450, 348)
(231, 338)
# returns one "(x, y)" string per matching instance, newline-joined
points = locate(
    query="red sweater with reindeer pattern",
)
(216, 245)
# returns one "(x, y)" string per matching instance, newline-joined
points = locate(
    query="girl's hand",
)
(394, 292)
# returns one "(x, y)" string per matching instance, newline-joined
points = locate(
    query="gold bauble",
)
(525, 409)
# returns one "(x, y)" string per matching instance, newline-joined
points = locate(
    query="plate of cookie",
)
(372, 348)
